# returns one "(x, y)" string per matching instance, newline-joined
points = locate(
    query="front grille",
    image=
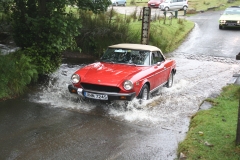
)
(231, 21)
(100, 88)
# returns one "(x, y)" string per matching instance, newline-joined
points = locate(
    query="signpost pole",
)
(238, 122)
(146, 18)
(238, 126)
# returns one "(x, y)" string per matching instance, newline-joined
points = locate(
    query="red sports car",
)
(154, 3)
(125, 71)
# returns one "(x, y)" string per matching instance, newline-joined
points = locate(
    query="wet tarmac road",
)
(52, 124)
(207, 39)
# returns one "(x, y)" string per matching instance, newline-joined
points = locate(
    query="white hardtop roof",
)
(135, 46)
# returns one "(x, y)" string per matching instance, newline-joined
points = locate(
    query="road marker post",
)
(146, 19)
(238, 122)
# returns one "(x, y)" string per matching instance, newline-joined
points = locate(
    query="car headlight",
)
(75, 78)
(222, 21)
(128, 85)
(238, 22)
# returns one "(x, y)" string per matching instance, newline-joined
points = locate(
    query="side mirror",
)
(238, 56)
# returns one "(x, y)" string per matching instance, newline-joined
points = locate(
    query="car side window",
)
(156, 57)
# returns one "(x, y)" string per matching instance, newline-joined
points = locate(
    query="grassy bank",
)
(198, 5)
(212, 133)
(165, 34)
(17, 71)
(206, 4)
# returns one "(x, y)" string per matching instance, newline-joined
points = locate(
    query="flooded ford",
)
(50, 123)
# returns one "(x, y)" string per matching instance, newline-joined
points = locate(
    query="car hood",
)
(230, 17)
(108, 73)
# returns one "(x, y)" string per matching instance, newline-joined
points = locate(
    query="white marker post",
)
(146, 18)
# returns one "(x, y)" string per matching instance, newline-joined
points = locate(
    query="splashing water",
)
(194, 82)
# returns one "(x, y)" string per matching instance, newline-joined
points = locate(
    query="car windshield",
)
(126, 56)
(232, 11)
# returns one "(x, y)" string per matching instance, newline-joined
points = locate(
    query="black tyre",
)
(170, 81)
(220, 27)
(144, 94)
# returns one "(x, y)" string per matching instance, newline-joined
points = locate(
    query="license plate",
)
(96, 96)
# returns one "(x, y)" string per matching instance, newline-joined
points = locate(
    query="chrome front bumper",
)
(111, 95)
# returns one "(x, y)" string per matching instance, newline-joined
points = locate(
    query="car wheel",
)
(220, 27)
(170, 81)
(166, 9)
(144, 94)
(185, 8)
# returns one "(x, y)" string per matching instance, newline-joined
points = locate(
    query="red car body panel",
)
(109, 74)
(154, 3)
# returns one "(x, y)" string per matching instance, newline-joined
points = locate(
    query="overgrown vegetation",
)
(103, 29)
(17, 71)
(45, 28)
(212, 133)
(170, 35)
(44, 32)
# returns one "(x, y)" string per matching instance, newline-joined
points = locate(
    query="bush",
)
(45, 63)
(17, 71)
(101, 30)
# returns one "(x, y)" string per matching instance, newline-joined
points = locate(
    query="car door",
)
(161, 70)
(179, 4)
(173, 4)
(176, 4)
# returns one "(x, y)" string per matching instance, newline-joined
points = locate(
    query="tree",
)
(44, 28)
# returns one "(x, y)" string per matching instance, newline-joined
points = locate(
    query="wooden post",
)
(238, 122)
(146, 18)
(238, 125)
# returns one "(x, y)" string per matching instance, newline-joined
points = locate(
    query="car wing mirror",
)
(238, 56)
(158, 63)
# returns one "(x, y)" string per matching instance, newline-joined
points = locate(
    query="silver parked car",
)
(174, 5)
(119, 2)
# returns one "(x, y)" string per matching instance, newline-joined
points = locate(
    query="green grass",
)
(140, 3)
(217, 127)
(205, 4)
(167, 34)
(173, 32)
(17, 71)
(196, 4)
